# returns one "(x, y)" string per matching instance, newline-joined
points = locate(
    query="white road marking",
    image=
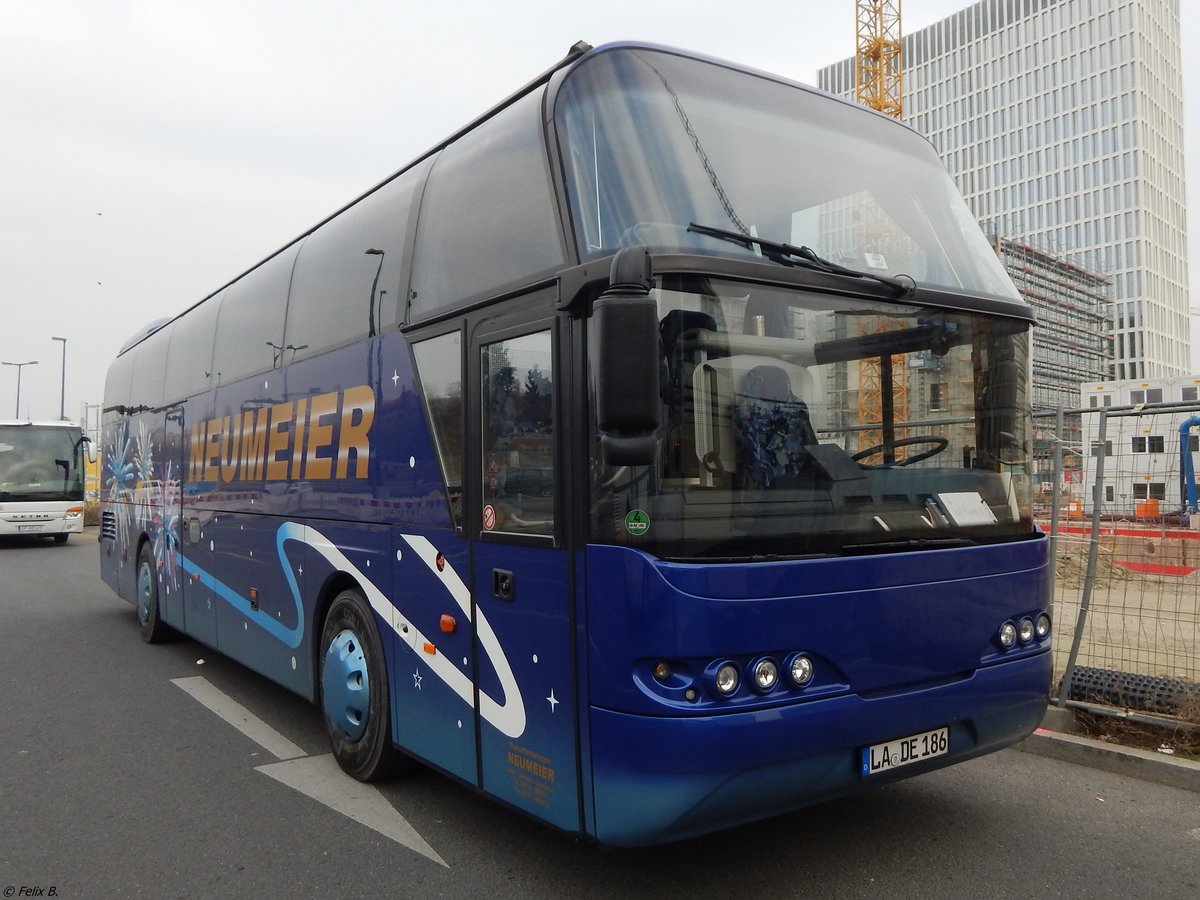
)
(239, 717)
(320, 777)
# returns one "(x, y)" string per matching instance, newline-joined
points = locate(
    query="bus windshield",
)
(40, 462)
(798, 423)
(652, 142)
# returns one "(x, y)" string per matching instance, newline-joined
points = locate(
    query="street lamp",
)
(19, 366)
(62, 403)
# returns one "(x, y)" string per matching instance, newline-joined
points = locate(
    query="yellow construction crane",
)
(878, 79)
(878, 84)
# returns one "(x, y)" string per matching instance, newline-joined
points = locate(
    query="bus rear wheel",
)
(154, 629)
(354, 691)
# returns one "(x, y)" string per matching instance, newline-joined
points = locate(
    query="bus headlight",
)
(1008, 635)
(1025, 630)
(1041, 626)
(766, 675)
(727, 678)
(801, 670)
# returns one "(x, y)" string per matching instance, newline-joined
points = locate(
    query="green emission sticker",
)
(637, 522)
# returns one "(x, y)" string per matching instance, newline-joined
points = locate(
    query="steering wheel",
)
(940, 444)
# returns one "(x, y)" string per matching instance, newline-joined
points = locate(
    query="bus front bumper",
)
(40, 524)
(664, 779)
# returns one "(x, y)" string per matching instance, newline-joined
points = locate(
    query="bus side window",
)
(439, 366)
(348, 280)
(518, 435)
(250, 322)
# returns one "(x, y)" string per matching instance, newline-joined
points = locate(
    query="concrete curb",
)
(1052, 740)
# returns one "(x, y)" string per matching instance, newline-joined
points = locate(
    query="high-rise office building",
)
(1062, 123)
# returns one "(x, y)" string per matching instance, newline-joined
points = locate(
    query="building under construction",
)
(1073, 341)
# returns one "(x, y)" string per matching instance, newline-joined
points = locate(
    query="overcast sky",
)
(150, 151)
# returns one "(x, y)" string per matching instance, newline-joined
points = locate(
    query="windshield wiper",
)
(907, 544)
(791, 255)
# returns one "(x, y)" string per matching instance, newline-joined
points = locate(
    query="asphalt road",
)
(116, 782)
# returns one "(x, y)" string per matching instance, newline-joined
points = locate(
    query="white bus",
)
(41, 478)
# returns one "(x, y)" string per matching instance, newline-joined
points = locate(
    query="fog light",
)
(801, 670)
(1008, 635)
(766, 674)
(1041, 626)
(662, 671)
(1025, 630)
(727, 679)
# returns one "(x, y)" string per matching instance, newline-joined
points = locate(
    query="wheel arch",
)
(136, 559)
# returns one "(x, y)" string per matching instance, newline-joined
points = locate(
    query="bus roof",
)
(576, 55)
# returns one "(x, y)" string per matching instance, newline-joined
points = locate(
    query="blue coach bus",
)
(652, 455)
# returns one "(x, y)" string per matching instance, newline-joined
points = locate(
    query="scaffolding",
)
(1073, 342)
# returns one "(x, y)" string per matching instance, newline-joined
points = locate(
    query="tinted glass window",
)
(40, 462)
(488, 217)
(118, 381)
(250, 324)
(518, 435)
(439, 362)
(775, 438)
(192, 351)
(150, 370)
(653, 142)
(347, 280)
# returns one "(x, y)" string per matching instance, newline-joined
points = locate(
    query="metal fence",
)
(1126, 543)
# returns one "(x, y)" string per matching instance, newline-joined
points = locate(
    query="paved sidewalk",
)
(1054, 739)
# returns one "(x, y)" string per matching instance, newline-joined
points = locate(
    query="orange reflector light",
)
(253, 593)
(448, 624)
(430, 649)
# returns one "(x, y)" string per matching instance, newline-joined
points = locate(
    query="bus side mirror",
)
(89, 447)
(625, 362)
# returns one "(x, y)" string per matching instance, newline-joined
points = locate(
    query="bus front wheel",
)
(354, 691)
(154, 629)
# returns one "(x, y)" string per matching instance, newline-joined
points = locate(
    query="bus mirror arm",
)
(89, 445)
(578, 284)
(625, 365)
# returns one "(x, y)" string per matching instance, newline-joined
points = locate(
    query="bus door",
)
(167, 523)
(513, 512)
(194, 557)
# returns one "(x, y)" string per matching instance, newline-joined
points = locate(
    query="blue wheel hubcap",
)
(145, 588)
(345, 688)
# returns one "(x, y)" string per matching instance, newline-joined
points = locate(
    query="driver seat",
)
(772, 429)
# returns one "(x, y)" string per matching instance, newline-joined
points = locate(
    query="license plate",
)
(880, 758)
(30, 527)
